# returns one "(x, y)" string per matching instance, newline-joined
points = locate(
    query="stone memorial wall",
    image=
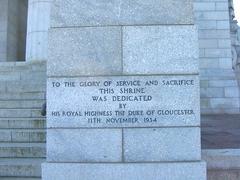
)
(219, 83)
(123, 91)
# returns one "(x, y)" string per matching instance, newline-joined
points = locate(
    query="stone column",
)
(3, 30)
(12, 30)
(37, 30)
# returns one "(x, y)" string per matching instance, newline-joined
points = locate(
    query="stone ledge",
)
(220, 131)
(222, 159)
(126, 171)
(222, 164)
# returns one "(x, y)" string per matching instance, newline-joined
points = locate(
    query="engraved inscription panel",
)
(123, 101)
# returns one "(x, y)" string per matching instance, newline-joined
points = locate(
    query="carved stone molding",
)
(235, 37)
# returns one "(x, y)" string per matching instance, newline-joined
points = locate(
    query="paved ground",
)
(220, 131)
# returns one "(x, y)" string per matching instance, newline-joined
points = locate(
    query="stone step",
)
(20, 87)
(16, 178)
(23, 96)
(14, 66)
(22, 135)
(20, 167)
(19, 123)
(22, 66)
(22, 150)
(21, 104)
(10, 76)
(16, 113)
(28, 77)
(33, 77)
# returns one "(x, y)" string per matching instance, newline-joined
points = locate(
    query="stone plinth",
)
(123, 91)
(120, 171)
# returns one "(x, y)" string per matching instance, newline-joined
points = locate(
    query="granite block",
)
(84, 51)
(123, 101)
(125, 171)
(120, 12)
(162, 144)
(84, 145)
(160, 50)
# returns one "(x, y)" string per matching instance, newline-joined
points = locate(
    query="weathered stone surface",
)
(20, 168)
(21, 150)
(20, 113)
(22, 96)
(223, 174)
(21, 104)
(28, 136)
(162, 144)
(22, 123)
(223, 164)
(130, 171)
(120, 12)
(220, 131)
(84, 145)
(84, 51)
(155, 103)
(160, 50)
(227, 159)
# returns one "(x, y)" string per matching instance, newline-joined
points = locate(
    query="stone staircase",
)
(22, 128)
